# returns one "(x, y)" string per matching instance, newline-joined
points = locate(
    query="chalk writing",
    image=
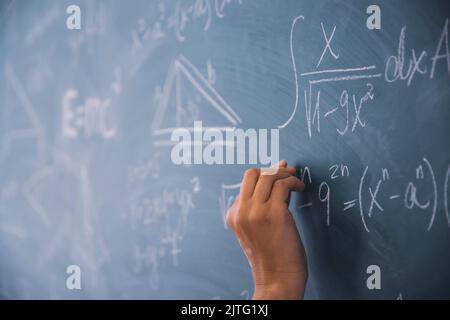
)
(90, 118)
(227, 196)
(312, 97)
(188, 12)
(162, 213)
(369, 200)
(404, 66)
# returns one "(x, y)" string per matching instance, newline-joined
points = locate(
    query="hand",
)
(267, 233)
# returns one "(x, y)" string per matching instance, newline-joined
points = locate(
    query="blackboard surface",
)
(86, 176)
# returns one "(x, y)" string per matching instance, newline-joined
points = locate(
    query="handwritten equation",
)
(178, 19)
(405, 64)
(163, 214)
(366, 200)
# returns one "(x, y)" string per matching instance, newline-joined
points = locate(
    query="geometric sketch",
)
(184, 92)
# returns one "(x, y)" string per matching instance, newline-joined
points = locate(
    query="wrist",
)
(279, 285)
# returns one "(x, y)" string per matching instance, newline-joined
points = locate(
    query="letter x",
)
(374, 201)
(358, 109)
(416, 65)
(327, 45)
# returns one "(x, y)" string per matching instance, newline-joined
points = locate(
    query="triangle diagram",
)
(187, 96)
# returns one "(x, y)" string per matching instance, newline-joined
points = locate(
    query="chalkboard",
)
(86, 114)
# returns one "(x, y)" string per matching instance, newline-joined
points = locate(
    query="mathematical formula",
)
(412, 195)
(163, 214)
(367, 200)
(404, 65)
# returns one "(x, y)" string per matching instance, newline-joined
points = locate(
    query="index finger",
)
(283, 188)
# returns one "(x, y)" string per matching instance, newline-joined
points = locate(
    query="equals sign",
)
(349, 204)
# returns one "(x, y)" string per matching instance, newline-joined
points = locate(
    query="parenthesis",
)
(446, 185)
(361, 210)
(433, 179)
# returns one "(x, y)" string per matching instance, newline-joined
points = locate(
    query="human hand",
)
(267, 233)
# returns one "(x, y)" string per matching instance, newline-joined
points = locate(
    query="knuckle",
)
(281, 183)
(251, 173)
(241, 219)
(267, 178)
(229, 218)
(289, 181)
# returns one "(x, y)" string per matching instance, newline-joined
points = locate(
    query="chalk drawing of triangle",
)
(188, 96)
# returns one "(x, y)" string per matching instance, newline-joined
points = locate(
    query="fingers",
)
(260, 186)
(274, 168)
(265, 183)
(282, 188)
(248, 184)
(250, 179)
